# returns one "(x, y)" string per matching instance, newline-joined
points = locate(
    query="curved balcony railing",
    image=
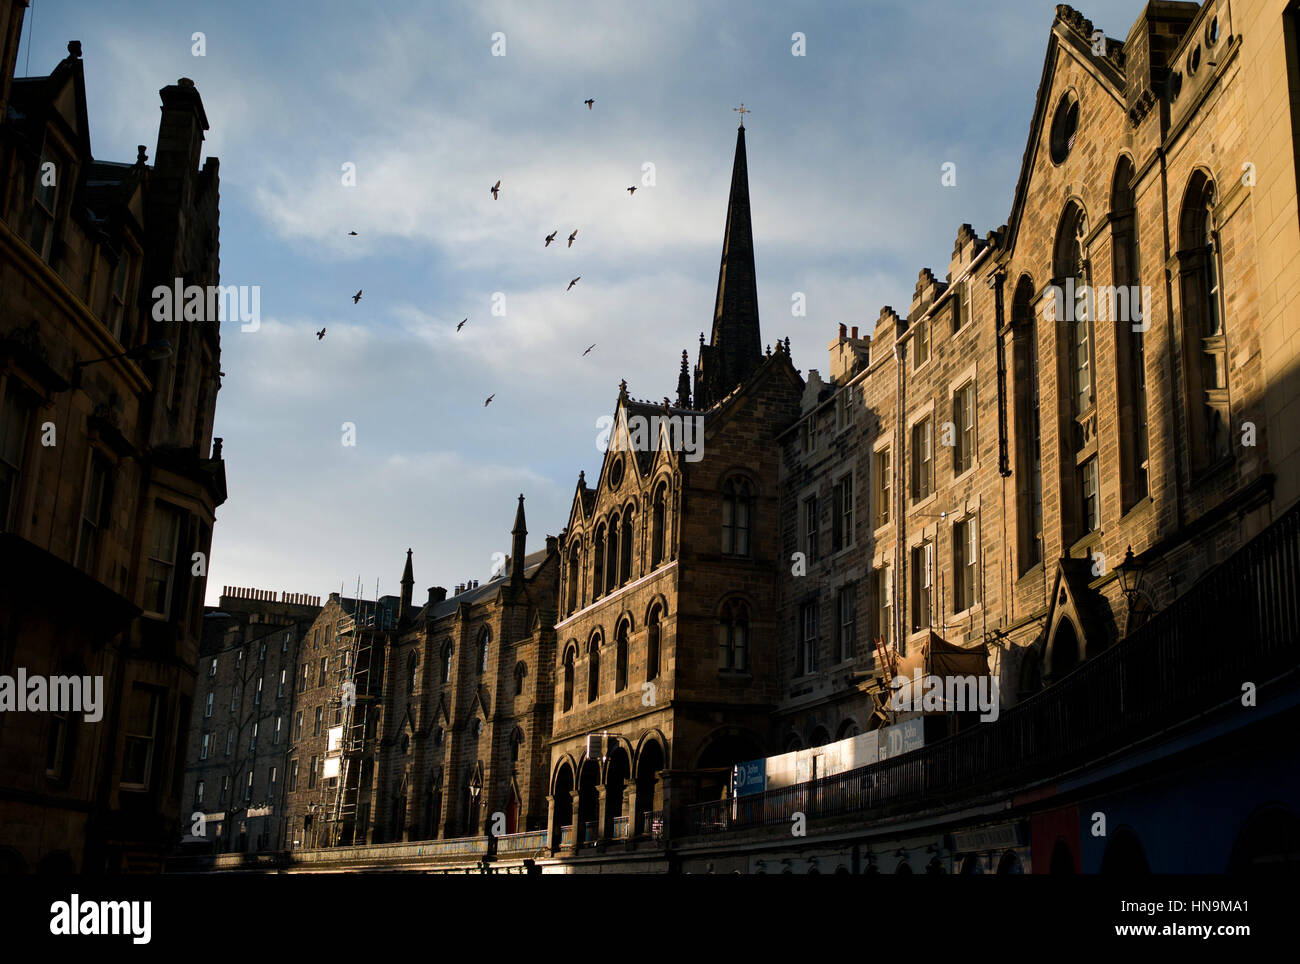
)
(1241, 621)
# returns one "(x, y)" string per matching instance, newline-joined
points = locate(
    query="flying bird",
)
(573, 282)
(549, 238)
(495, 188)
(320, 334)
(489, 399)
(589, 101)
(572, 236)
(352, 234)
(632, 189)
(461, 325)
(588, 351)
(356, 297)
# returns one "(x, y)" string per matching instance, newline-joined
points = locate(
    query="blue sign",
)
(749, 778)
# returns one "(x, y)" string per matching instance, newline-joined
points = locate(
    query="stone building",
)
(1006, 443)
(667, 656)
(1070, 462)
(452, 709)
(239, 733)
(109, 475)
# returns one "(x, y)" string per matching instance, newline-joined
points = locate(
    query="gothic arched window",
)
(598, 572)
(570, 656)
(593, 668)
(733, 636)
(737, 502)
(484, 638)
(1128, 312)
(1204, 337)
(625, 547)
(571, 596)
(658, 536)
(446, 662)
(620, 656)
(653, 629)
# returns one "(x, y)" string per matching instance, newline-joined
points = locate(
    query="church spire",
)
(735, 348)
(518, 535)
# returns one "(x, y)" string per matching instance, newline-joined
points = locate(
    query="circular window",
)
(1212, 32)
(1065, 126)
(616, 474)
(1175, 85)
(1194, 59)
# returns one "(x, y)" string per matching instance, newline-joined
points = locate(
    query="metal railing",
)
(652, 823)
(526, 842)
(622, 828)
(1241, 621)
(566, 837)
(589, 833)
(450, 847)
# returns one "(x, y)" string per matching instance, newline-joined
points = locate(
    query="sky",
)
(846, 145)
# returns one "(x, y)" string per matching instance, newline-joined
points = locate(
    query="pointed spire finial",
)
(741, 110)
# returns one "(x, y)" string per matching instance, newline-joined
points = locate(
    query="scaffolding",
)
(354, 702)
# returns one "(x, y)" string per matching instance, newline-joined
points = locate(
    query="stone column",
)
(574, 796)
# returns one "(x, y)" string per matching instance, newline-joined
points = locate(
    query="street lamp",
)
(1130, 582)
(1130, 575)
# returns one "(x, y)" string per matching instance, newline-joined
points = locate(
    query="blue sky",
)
(845, 147)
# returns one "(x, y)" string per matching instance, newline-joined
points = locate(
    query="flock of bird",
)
(495, 191)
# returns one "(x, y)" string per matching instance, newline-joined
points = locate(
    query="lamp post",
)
(1130, 580)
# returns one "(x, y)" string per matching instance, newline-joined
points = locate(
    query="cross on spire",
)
(742, 112)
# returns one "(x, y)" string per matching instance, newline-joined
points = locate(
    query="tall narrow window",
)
(94, 513)
(446, 662)
(652, 645)
(13, 437)
(736, 504)
(620, 657)
(847, 623)
(658, 520)
(598, 565)
(161, 570)
(811, 543)
(842, 514)
(141, 728)
(807, 651)
(611, 554)
(1078, 421)
(1029, 461)
(569, 658)
(882, 610)
(44, 204)
(484, 639)
(1205, 339)
(963, 417)
(571, 601)
(733, 636)
(1091, 502)
(921, 344)
(922, 459)
(593, 668)
(625, 549)
(922, 580)
(884, 487)
(1130, 353)
(117, 304)
(965, 564)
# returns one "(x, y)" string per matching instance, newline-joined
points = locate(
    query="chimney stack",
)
(855, 331)
(843, 332)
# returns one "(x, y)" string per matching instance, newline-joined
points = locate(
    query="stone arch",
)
(1065, 649)
(1124, 855)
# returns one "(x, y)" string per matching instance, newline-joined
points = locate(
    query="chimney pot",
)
(855, 331)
